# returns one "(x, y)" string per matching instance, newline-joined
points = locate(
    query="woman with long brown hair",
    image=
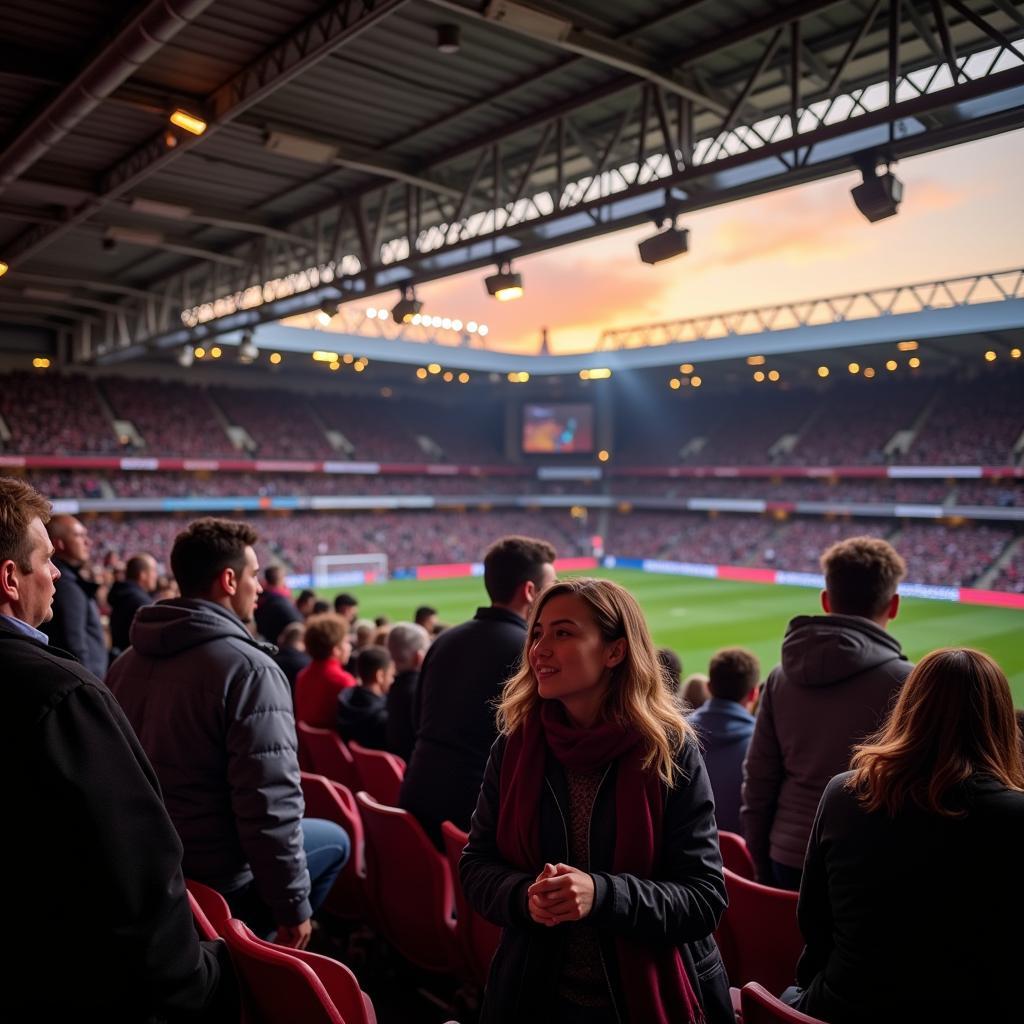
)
(594, 843)
(912, 886)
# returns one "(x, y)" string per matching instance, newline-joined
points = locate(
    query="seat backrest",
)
(341, 984)
(759, 1006)
(335, 802)
(381, 773)
(328, 755)
(213, 906)
(762, 940)
(410, 886)
(203, 924)
(276, 987)
(735, 855)
(478, 938)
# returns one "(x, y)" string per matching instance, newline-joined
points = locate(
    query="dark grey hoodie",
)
(214, 715)
(838, 678)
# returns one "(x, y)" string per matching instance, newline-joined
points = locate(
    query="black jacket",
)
(912, 917)
(214, 714)
(681, 908)
(401, 732)
(104, 930)
(461, 677)
(838, 677)
(363, 717)
(273, 613)
(76, 625)
(126, 597)
(291, 662)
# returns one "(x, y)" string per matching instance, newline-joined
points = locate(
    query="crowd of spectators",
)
(1011, 575)
(54, 415)
(278, 422)
(171, 418)
(947, 555)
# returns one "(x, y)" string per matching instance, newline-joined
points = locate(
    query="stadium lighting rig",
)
(4, 267)
(506, 284)
(247, 351)
(878, 195)
(407, 307)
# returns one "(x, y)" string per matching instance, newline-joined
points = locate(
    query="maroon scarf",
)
(657, 987)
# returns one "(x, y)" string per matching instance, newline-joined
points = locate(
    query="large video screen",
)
(558, 428)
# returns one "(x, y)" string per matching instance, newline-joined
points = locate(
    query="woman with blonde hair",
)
(594, 843)
(911, 890)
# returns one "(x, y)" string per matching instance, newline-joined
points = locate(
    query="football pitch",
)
(696, 617)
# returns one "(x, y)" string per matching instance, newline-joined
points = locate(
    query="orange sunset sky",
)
(962, 212)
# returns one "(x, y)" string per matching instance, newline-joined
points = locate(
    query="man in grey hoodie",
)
(214, 714)
(839, 674)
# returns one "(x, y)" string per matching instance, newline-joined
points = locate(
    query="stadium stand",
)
(280, 427)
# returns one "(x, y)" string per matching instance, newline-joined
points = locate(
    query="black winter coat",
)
(125, 599)
(681, 908)
(460, 678)
(104, 930)
(76, 624)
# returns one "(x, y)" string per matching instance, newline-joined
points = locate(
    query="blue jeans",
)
(327, 849)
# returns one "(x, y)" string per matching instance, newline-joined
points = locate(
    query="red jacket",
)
(316, 692)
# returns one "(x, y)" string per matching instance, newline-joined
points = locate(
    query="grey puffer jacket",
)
(838, 678)
(214, 714)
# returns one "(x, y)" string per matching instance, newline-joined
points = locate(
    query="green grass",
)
(696, 617)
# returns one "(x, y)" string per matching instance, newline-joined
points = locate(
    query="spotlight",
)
(189, 122)
(666, 244)
(879, 195)
(505, 285)
(407, 307)
(448, 38)
(247, 350)
(186, 356)
(3, 268)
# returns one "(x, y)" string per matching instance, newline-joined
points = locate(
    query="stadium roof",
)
(344, 154)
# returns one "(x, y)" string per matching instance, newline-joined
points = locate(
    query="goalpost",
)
(349, 570)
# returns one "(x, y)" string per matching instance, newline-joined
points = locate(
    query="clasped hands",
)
(561, 893)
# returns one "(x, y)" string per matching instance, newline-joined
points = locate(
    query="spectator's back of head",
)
(513, 561)
(370, 662)
(733, 674)
(292, 636)
(405, 642)
(671, 667)
(205, 548)
(346, 605)
(320, 608)
(142, 569)
(425, 616)
(380, 621)
(861, 577)
(324, 633)
(694, 690)
(274, 575)
(306, 602)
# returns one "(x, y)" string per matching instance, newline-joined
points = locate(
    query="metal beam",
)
(154, 24)
(338, 23)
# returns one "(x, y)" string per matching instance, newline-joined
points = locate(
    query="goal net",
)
(349, 570)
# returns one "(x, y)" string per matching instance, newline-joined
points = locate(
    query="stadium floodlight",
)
(191, 123)
(186, 356)
(448, 38)
(879, 195)
(505, 285)
(665, 245)
(247, 350)
(4, 267)
(300, 147)
(407, 307)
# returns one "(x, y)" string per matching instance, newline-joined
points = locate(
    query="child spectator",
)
(317, 686)
(694, 691)
(362, 710)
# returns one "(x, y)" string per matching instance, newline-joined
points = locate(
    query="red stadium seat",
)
(735, 855)
(758, 935)
(477, 937)
(203, 924)
(332, 801)
(211, 904)
(759, 1006)
(381, 773)
(410, 887)
(326, 754)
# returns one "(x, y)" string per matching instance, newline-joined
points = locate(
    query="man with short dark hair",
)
(103, 920)
(426, 617)
(839, 674)
(274, 609)
(76, 626)
(463, 673)
(214, 713)
(127, 596)
(724, 724)
(306, 602)
(362, 709)
(347, 607)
